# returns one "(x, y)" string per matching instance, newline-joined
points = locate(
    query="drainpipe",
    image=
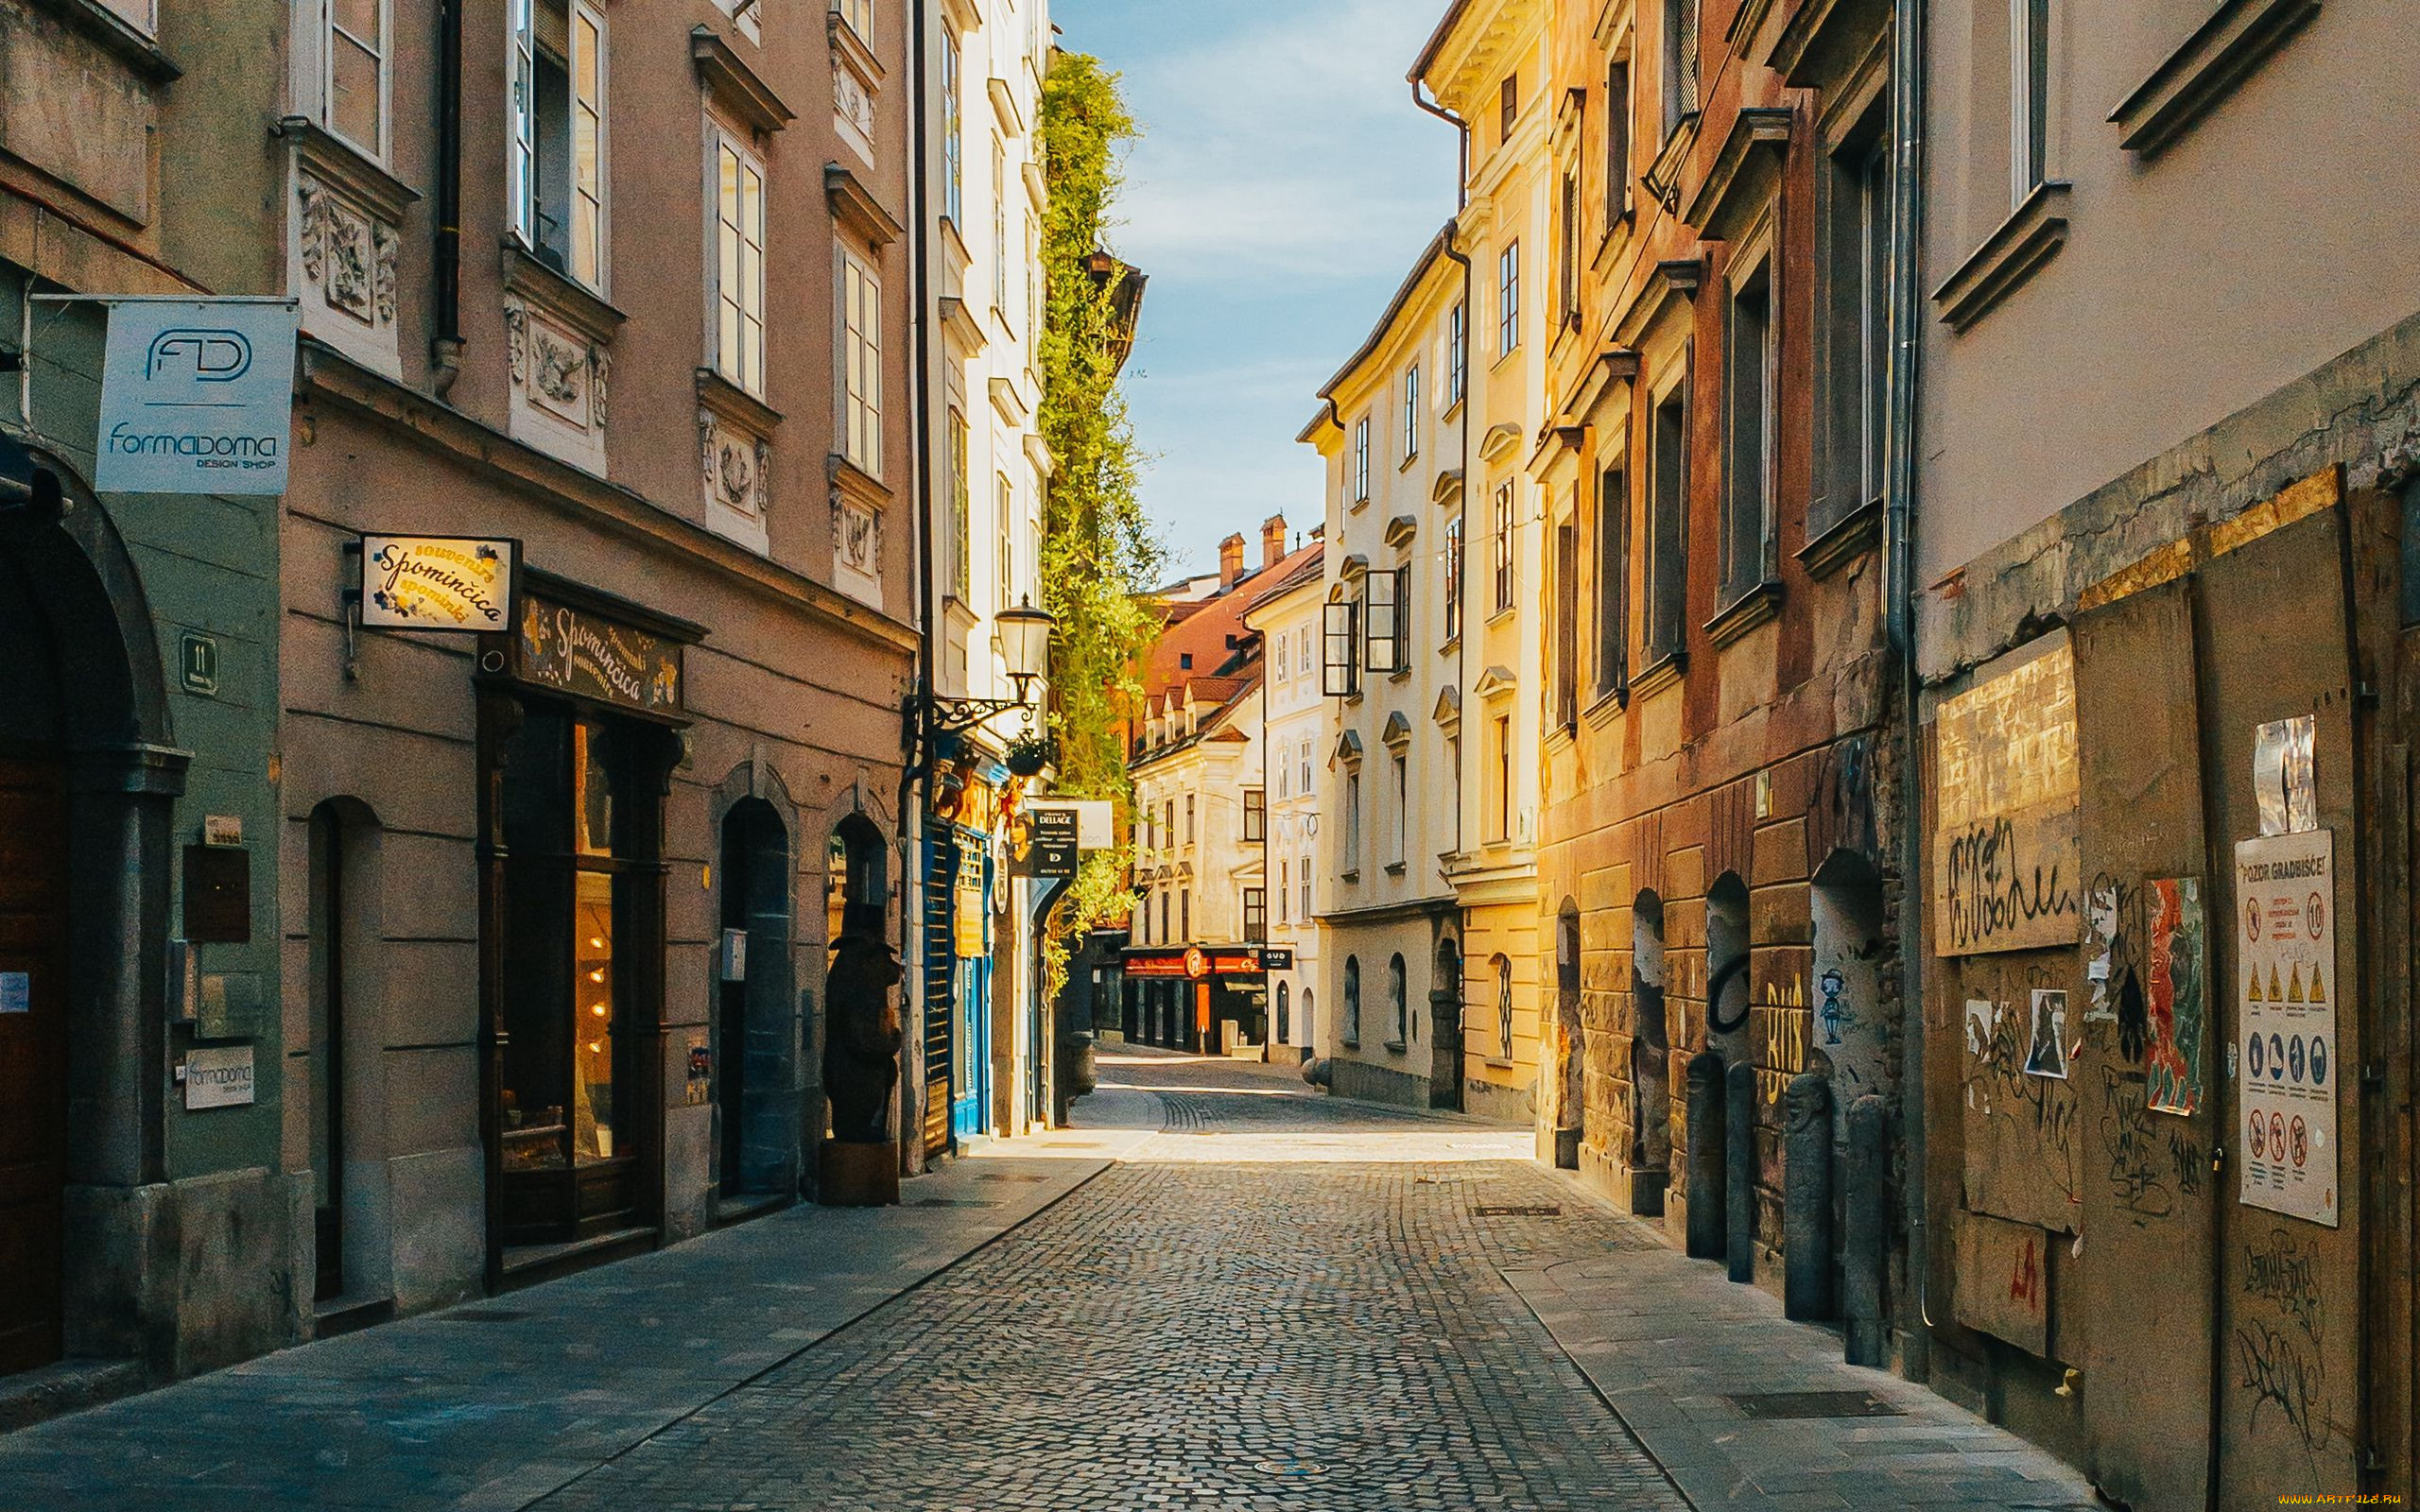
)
(912, 1144)
(446, 343)
(1899, 486)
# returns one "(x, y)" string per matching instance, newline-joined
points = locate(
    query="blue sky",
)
(1283, 185)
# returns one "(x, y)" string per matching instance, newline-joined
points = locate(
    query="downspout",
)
(1899, 486)
(912, 1090)
(445, 342)
(1462, 509)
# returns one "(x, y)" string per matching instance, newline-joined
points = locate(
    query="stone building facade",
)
(1285, 619)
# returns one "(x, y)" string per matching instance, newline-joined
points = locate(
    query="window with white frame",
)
(1458, 352)
(1386, 600)
(1302, 884)
(357, 72)
(1285, 889)
(1279, 665)
(739, 263)
(2029, 96)
(1411, 412)
(859, 15)
(1008, 544)
(861, 364)
(1000, 229)
(953, 130)
(961, 513)
(1501, 546)
(1302, 652)
(1508, 297)
(1306, 786)
(556, 169)
(1361, 461)
(1285, 775)
(1453, 578)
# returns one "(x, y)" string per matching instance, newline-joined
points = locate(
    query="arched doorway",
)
(1570, 1042)
(1650, 1060)
(1445, 1016)
(755, 1039)
(33, 1018)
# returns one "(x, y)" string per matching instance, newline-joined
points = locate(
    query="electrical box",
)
(228, 1007)
(734, 955)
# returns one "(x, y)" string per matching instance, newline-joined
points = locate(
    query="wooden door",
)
(33, 1057)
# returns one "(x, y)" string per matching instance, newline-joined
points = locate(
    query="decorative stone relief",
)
(559, 372)
(856, 538)
(516, 340)
(600, 366)
(352, 262)
(734, 464)
(385, 246)
(850, 100)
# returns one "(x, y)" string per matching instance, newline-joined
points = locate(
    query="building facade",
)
(1390, 439)
(2164, 575)
(1285, 619)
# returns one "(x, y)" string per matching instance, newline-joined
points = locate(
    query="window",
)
(1612, 581)
(1165, 936)
(1256, 816)
(1185, 913)
(1306, 788)
(1285, 888)
(1352, 999)
(1679, 62)
(1384, 595)
(1458, 352)
(1508, 105)
(1304, 874)
(1566, 281)
(1285, 775)
(1504, 1007)
(1508, 297)
(1189, 819)
(961, 514)
(1361, 461)
(1747, 477)
(1303, 652)
(861, 363)
(953, 130)
(999, 230)
(556, 167)
(1871, 309)
(1007, 545)
(1340, 668)
(1411, 412)
(740, 265)
(1667, 522)
(1563, 708)
(1256, 915)
(1285, 994)
(1398, 1002)
(2029, 96)
(859, 15)
(1280, 663)
(1401, 764)
(1501, 546)
(1453, 578)
(1618, 109)
(357, 82)
(1499, 821)
(1353, 820)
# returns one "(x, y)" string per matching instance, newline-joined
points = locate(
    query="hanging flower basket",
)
(1028, 754)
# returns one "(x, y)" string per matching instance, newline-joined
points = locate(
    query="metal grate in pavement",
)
(481, 1315)
(1535, 1209)
(1812, 1404)
(952, 1202)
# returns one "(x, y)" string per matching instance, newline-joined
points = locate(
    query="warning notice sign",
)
(2287, 990)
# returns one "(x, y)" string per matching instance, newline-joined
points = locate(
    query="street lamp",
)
(1022, 637)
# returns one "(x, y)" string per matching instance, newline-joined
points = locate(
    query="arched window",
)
(1353, 1000)
(1285, 1015)
(1395, 1001)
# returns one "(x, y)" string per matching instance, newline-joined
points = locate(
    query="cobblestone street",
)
(1232, 1292)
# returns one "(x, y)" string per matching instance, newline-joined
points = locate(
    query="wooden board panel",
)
(2004, 865)
(2004, 1280)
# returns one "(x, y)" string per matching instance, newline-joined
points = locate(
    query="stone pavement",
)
(1222, 1290)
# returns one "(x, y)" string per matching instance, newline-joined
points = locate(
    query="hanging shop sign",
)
(968, 917)
(2287, 991)
(436, 583)
(1095, 827)
(196, 397)
(577, 652)
(1043, 842)
(2006, 863)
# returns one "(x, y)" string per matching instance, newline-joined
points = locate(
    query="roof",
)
(1313, 570)
(1440, 245)
(1436, 42)
(1217, 725)
(1205, 628)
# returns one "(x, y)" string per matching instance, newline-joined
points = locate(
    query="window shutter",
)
(1341, 664)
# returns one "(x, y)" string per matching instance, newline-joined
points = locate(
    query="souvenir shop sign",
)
(2287, 990)
(2005, 858)
(436, 583)
(574, 651)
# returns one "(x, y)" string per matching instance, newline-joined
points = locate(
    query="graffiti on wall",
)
(2006, 873)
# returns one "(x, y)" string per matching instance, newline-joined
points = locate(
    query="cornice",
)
(727, 77)
(854, 206)
(1674, 281)
(1746, 172)
(2030, 236)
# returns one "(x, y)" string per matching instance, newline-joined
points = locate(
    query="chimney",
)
(1230, 561)
(1272, 541)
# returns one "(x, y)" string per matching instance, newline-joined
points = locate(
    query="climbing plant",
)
(1099, 556)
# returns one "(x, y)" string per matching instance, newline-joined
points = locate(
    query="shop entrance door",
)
(33, 1057)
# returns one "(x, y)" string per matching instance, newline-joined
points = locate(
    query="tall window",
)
(1302, 875)
(1306, 788)
(1185, 913)
(356, 82)
(1668, 539)
(1383, 616)
(1411, 412)
(1747, 470)
(1285, 888)
(1857, 317)
(1501, 546)
(1189, 819)
(1612, 581)
(1453, 578)
(1499, 825)
(1458, 351)
(859, 15)
(1256, 816)
(1401, 764)
(861, 363)
(1504, 1007)
(1256, 915)
(2029, 96)
(1341, 649)
(1679, 62)
(740, 265)
(1398, 1001)
(961, 513)
(1566, 281)
(1361, 461)
(1508, 105)
(953, 130)
(1618, 109)
(1007, 547)
(557, 159)
(1564, 709)
(1508, 297)
(1353, 820)
(1000, 229)
(1164, 936)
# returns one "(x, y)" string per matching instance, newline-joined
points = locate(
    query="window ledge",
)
(855, 482)
(1396, 1047)
(1394, 868)
(1498, 1063)
(1845, 540)
(120, 36)
(855, 206)
(1500, 617)
(1755, 605)
(1746, 173)
(2191, 82)
(1661, 674)
(2028, 238)
(1351, 874)
(332, 158)
(559, 293)
(735, 403)
(1608, 703)
(1451, 644)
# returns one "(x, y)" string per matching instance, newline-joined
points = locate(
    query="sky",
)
(1282, 186)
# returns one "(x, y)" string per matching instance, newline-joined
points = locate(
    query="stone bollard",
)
(1867, 1180)
(1739, 1141)
(1806, 1198)
(1705, 1119)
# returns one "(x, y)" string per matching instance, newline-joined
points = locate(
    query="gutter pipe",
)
(911, 1090)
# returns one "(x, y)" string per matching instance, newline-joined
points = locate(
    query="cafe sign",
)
(576, 652)
(436, 583)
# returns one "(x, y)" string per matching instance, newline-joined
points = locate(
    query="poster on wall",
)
(2005, 859)
(2287, 987)
(2176, 1006)
(2047, 1050)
